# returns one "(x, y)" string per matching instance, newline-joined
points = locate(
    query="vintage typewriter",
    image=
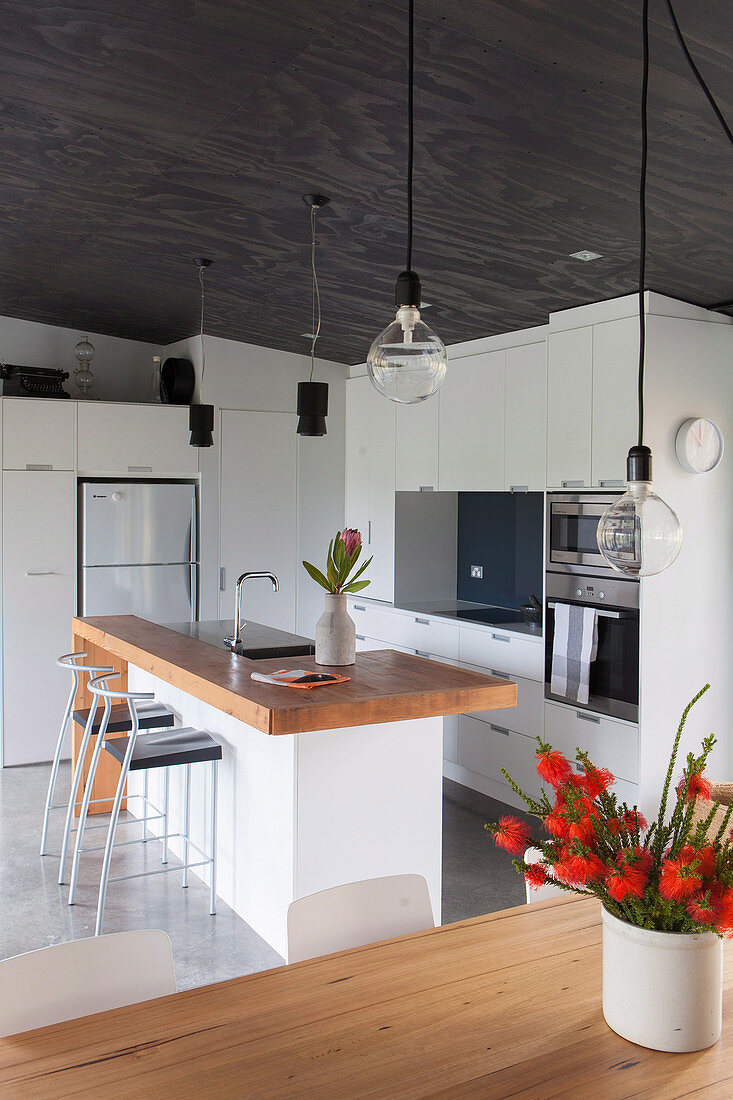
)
(32, 381)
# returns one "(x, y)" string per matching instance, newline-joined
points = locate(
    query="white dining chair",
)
(358, 913)
(85, 976)
(542, 893)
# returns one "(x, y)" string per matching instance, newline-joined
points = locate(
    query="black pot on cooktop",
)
(177, 381)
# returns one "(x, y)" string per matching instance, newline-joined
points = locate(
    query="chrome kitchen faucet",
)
(239, 626)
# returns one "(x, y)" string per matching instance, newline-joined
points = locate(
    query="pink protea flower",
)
(351, 539)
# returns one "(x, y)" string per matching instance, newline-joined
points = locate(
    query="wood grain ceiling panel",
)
(183, 139)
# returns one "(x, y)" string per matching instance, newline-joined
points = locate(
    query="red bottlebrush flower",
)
(565, 872)
(596, 780)
(614, 826)
(632, 820)
(704, 858)
(699, 787)
(535, 875)
(678, 881)
(511, 834)
(623, 882)
(585, 868)
(644, 858)
(552, 766)
(557, 826)
(701, 908)
(723, 904)
(583, 830)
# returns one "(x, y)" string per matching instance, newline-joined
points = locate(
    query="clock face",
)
(699, 445)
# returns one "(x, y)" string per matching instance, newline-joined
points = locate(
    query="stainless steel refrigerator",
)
(138, 550)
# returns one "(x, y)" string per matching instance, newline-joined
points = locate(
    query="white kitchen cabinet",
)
(357, 453)
(124, 439)
(615, 377)
(38, 434)
(509, 653)
(381, 526)
(527, 717)
(609, 742)
(416, 446)
(258, 514)
(471, 428)
(484, 748)
(39, 575)
(525, 445)
(569, 407)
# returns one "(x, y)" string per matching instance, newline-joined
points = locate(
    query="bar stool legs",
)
(113, 825)
(59, 747)
(214, 800)
(166, 788)
(186, 823)
(75, 784)
(87, 798)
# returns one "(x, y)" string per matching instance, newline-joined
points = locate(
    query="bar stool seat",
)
(164, 749)
(152, 716)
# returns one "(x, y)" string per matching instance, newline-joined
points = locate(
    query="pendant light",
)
(312, 405)
(200, 416)
(407, 362)
(640, 535)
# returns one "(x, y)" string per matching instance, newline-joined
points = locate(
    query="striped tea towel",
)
(574, 648)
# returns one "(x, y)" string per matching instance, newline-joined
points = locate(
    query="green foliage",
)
(339, 576)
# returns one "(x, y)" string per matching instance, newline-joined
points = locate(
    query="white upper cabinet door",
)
(380, 527)
(471, 435)
(569, 408)
(39, 575)
(258, 514)
(357, 453)
(134, 439)
(615, 375)
(38, 433)
(526, 417)
(416, 446)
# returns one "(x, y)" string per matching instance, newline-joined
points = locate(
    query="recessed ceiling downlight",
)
(586, 255)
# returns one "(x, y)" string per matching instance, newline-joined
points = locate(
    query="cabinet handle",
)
(427, 488)
(38, 466)
(600, 611)
(500, 638)
(614, 483)
(588, 717)
(519, 488)
(358, 607)
(423, 622)
(420, 653)
(139, 469)
(495, 672)
(369, 532)
(573, 484)
(223, 579)
(40, 573)
(498, 729)
(361, 637)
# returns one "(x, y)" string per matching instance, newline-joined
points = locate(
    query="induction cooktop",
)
(491, 615)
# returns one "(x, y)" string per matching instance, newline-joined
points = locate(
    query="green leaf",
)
(359, 571)
(356, 586)
(339, 553)
(317, 576)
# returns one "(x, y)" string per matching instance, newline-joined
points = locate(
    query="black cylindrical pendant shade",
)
(312, 408)
(201, 425)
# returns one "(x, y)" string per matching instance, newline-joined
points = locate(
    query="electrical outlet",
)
(477, 572)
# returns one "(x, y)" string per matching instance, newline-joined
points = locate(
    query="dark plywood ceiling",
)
(136, 136)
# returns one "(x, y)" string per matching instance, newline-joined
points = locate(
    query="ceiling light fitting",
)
(640, 535)
(407, 362)
(312, 407)
(200, 416)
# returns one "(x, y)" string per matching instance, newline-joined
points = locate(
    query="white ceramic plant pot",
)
(662, 990)
(335, 633)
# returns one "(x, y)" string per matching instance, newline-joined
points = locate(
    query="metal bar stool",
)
(165, 749)
(156, 716)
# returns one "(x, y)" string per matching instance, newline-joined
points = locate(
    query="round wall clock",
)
(699, 445)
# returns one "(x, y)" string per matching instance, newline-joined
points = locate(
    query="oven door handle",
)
(599, 610)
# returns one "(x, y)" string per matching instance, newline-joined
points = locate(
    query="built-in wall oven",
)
(577, 573)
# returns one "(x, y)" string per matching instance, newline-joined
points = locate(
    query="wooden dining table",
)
(504, 1005)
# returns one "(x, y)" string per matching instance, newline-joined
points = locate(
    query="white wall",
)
(243, 376)
(122, 368)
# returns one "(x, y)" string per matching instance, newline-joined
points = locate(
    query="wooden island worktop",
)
(384, 686)
(355, 791)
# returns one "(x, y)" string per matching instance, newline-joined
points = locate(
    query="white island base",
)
(303, 812)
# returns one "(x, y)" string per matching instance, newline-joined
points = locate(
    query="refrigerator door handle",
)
(194, 531)
(194, 591)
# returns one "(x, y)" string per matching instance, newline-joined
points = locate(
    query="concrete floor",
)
(477, 878)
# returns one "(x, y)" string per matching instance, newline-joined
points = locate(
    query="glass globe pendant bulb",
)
(407, 362)
(639, 535)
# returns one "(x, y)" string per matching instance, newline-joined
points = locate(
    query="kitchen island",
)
(317, 788)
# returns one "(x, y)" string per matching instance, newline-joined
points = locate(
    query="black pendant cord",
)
(202, 269)
(410, 125)
(316, 294)
(642, 210)
(697, 74)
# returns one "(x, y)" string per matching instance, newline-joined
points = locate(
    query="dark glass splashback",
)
(503, 533)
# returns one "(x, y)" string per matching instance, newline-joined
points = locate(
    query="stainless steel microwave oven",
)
(572, 522)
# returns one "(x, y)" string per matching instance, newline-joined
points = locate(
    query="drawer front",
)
(364, 644)
(428, 635)
(508, 653)
(610, 744)
(38, 434)
(528, 715)
(373, 621)
(484, 750)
